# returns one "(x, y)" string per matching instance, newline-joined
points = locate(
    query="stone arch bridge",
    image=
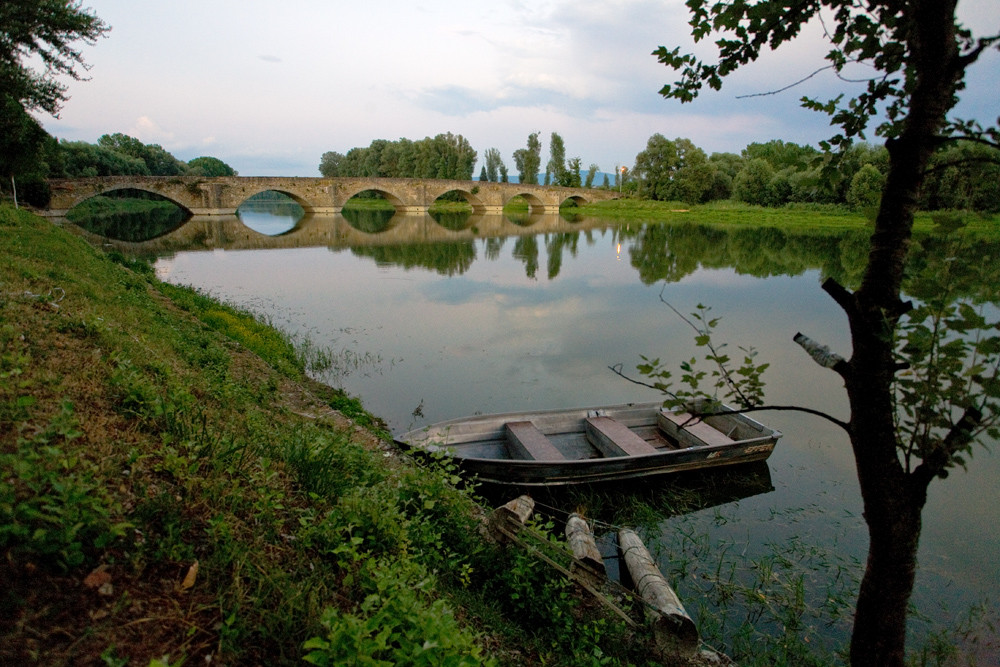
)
(222, 195)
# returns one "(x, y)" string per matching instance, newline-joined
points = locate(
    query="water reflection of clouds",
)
(491, 339)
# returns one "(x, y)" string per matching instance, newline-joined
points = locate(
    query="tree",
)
(43, 30)
(527, 160)
(83, 160)
(697, 183)
(494, 163)
(398, 159)
(591, 174)
(331, 164)
(21, 139)
(920, 56)
(659, 164)
(557, 161)
(656, 166)
(38, 31)
(572, 176)
(866, 188)
(965, 176)
(781, 155)
(210, 166)
(752, 181)
(158, 161)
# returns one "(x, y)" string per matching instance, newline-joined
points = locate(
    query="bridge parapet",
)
(223, 195)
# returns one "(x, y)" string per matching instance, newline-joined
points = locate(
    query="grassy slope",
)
(138, 440)
(171, 484)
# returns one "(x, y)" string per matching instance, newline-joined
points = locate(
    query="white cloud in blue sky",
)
(269, 87)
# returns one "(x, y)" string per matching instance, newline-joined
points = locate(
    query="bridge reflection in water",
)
(337, 232)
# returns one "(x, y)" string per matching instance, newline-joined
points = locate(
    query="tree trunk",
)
(879, 633)
(893, 499)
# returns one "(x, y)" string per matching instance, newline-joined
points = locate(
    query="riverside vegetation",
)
(175, 487)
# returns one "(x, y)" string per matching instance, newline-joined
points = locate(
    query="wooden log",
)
(587, 561)
(510, 517)
(674, 632)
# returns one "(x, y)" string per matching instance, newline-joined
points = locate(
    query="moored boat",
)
(585, 445)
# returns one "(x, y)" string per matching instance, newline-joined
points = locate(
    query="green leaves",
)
(948, 396)
(878, 36)
(44, 31)
(399, 622)
(742, 384)
(52, 506)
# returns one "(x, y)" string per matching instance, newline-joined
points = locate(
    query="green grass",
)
(146, 429)
(821, 217)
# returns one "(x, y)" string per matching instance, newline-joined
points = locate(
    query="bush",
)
(865, 191)
(398, 623)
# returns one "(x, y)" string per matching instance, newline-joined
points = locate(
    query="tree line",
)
(445, 156)
(450, 156)
(964, 176)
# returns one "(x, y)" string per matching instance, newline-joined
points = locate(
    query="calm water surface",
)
(431, 322)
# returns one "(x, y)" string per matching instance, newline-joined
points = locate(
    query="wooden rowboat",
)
(585, 445)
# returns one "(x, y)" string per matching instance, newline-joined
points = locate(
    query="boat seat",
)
(702, 433)
(614, 438)
(525, 441)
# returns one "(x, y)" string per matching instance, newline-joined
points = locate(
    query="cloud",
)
(149, 132)
(269, 58)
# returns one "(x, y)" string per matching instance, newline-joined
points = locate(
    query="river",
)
(428, 321)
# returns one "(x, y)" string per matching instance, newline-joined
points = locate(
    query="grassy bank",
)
(825, 217)
(174, 485)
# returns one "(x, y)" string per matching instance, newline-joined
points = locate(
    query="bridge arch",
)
(534, 202)
(576, 200)
(136, 187)
(295, 197)
(397, 203)
(433, 194)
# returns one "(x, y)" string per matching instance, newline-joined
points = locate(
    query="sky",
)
(268, 87)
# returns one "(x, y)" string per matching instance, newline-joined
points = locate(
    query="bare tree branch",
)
(617, 370)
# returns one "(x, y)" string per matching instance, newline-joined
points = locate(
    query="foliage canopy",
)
(46, 30)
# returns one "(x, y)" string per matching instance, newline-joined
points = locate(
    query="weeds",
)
(53, 506)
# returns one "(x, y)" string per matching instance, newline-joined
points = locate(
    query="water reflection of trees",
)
(968, 267)
(447, 259)
(526, 252)
(369, 220)
(666, 252)
(671, 252)
(453, 220)
(129, 215)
